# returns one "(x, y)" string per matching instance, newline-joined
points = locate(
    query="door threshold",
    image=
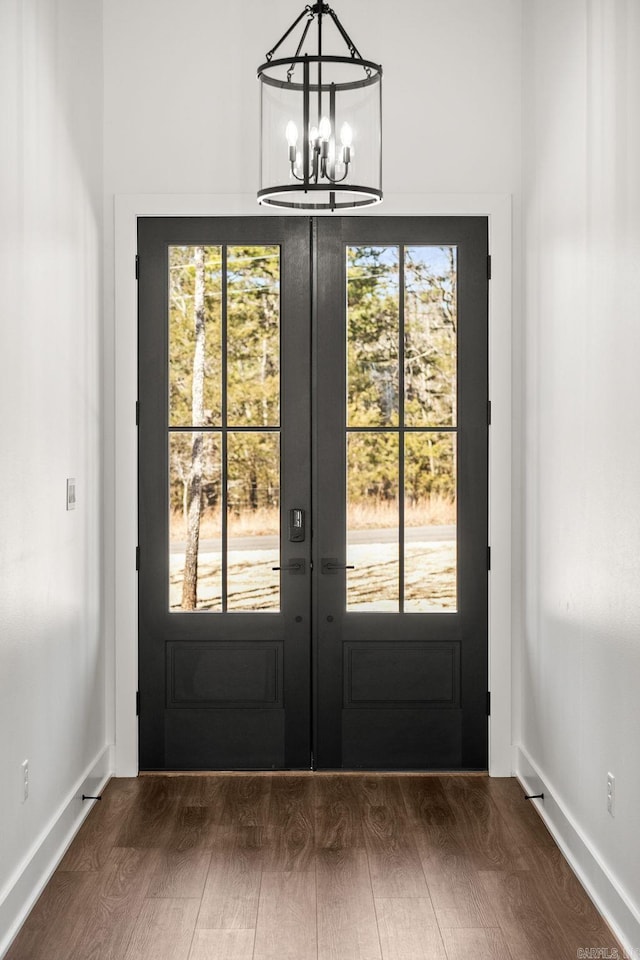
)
(313, 773)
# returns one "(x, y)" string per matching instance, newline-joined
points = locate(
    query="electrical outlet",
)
(25, 780)
(611, 794)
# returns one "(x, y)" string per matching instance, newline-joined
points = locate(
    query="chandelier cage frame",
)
(317, 92)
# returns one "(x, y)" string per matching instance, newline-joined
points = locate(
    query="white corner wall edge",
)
(127, 208)
(607, 894)
(31, 876)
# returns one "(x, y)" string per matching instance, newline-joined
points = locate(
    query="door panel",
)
(224, 652)
(401, 429)
(313, 493)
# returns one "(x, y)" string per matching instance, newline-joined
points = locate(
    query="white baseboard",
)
(29, 879)
(611, 900)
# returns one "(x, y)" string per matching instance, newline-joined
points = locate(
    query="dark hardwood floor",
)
(312, 867)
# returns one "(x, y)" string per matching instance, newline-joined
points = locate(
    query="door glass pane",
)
(195, 315)
(430, 551)
(372, 336)
(430, 336)
(195, 528)
(372, 521)
(253, 511)
(253, 336)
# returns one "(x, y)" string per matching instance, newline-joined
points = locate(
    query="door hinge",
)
(488, 266)
(137, 703)
(137, 558)
(488, 413)
(137, 413)
(488, 558)
(488, 703)
(137, 267)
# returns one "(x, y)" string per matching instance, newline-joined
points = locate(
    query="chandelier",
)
(320, 122)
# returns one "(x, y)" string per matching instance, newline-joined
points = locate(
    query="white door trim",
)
(497, 207)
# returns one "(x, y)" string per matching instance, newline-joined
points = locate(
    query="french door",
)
(313, 493)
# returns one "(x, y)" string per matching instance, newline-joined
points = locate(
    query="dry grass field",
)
(437, 511)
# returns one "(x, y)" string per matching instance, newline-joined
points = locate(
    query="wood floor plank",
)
(180, 873)
(394, 863)
(459, 897)
(286, 927)
(200, 811)
(433, 819)
(564, 897)
(246, 802)
(152, 818)
(56, 921)
(347, 926)
(479, 826)
(525, 825)
(428, 808)
(194, 827)
(530, 932)
(97, 835)
(291, 825)
(482, 944)
(338, 822)
(408, 929)
(164, 930)
(232, 888)
(196, 791)
(116, 901)
(222, 945)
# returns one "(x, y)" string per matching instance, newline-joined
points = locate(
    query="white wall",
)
(52, 678)
(580, 661)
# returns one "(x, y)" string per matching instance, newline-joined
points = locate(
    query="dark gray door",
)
(400, 481)
(313, 396)
(224, 455)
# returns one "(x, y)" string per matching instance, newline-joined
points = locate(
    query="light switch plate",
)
(71, 493)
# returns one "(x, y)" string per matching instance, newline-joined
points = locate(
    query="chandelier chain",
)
(307, 10)
(297, 53)
(310, 12)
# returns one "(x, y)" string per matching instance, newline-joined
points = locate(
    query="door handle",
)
(295, 566)
(331, 565)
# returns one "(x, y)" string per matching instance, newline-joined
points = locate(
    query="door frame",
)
(120, 447)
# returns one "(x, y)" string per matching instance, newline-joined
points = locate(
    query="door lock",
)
(296, 525)
(331, 565)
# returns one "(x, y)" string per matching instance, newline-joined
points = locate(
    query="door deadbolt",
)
(296, 525)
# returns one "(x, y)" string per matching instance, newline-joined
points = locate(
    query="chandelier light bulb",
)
(291, 133)
(313, 133)
(346, 135)
(325, 128)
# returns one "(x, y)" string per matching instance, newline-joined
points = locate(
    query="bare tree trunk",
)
(263, 378)
(194, 488)
(253, 488)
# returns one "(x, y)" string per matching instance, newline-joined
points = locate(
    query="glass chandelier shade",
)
(320, 123)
